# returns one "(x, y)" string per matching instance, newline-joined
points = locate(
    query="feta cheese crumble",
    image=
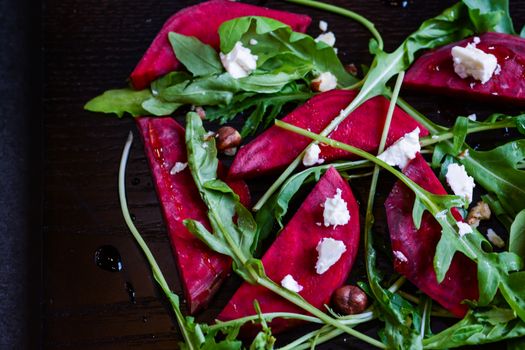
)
(400, 256)
(329, 252)
(473, 117)
(323, 26)
(325, 82)
(464, 228)
(335, 210)
(178, 167)
(459, 181)
(253, 41)
(495, 239)
(403, 150)
(327, 38)
(291, 284)
(473, 62)
(311, 156)
(239, 62)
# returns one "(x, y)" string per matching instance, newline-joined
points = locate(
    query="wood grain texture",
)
(91, 46)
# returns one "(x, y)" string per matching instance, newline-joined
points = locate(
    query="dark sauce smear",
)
(108, 258)
(399, 3)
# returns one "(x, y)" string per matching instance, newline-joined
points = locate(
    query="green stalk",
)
(157, 273)
(345, 13)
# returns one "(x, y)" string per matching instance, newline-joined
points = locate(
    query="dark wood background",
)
(90, 46)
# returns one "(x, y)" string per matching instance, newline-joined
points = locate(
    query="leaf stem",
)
(157, 273)
(345, 13)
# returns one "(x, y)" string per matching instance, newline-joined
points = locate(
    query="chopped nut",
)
(352, 69)
(227, 138)
(481, 211)
(349, 300)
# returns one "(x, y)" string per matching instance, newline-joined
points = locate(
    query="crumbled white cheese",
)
(323, 26)
(473, 117)
(239, 62)
(400, 256)
(329, 252)
(253, 41)
(328, 38)
(311, 156)
(476, 40)
(473, 62)
(291, 284)
(459, 181)
(178, 167)
(335, 210)
(326, 81)
(403, 150)
(498, 70)
(495, 239)
(464, 228)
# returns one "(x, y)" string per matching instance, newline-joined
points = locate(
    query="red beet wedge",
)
(434, 71)
(294, 252)
(201, 21)
(414, 249)
(201, 269)
(275, 148)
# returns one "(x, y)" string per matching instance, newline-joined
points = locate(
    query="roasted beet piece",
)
(201, 21)
(275, 148)
(434, 71)
(414, 250)
(202, 270)
(294, 252)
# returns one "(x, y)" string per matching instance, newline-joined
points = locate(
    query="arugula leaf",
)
(159, 108)
(233, 225)
(265, 108)
(198, 58)
(497, 172)
(264, 340)
(517, 235)
(490, 16)
(120, 101)
(277, 42)
(479, 327)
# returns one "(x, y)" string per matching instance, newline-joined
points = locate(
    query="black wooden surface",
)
(90, 46)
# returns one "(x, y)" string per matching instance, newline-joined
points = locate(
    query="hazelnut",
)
(227, 138)
(481, 211)
(349, 300)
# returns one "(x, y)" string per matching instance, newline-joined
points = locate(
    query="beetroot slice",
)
(202, 270)
(419, 246)
(434, 71)
(275, 148)
(293, 252)
(201, 21)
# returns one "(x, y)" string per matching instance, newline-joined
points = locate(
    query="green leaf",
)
(479, 327)
(517, 235)
(233, 226)
(277, 45)
(158, 107)
(120, 101)
(198, 58)
(520, 124)
(417, 212)
(264, 108)
(490, 16)
(460, 134)
(497, 171)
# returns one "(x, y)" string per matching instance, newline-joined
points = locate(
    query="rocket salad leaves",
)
(287, 62)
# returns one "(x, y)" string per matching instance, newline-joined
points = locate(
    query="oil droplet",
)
(108, 258)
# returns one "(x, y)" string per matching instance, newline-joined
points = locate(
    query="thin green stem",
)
(157, 273)
(297, 300)
(343, 12)
(268, 317)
